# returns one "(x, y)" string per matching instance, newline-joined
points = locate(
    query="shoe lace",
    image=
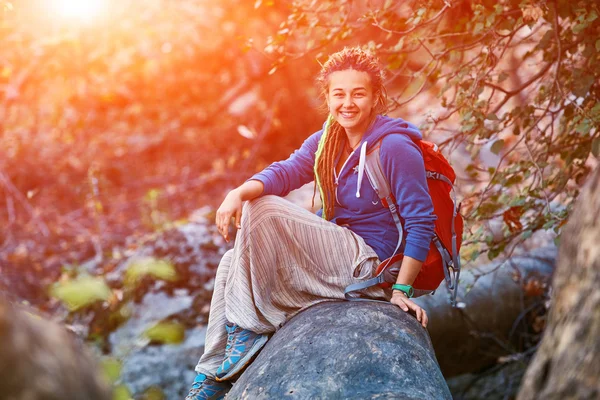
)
(230, 340)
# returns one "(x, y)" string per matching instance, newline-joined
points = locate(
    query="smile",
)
(348, 114)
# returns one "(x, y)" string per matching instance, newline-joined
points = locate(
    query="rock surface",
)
(501, 303)
(346, 350)
(167, 367)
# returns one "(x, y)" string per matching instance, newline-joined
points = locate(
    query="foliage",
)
(81, 292)
(166, 332)
(509, 88)
(149, 266)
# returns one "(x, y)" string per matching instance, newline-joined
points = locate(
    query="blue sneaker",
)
(205, 388)
(242, 345)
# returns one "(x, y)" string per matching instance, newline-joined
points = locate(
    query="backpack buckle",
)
(433, 174)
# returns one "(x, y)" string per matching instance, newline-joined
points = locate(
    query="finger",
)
(418, 314)
(425, 319)
(238, 218)
(403, 306)
(219, 222)
(223, 231)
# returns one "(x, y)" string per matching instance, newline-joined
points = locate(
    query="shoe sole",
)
(240, 365)
(218, 396)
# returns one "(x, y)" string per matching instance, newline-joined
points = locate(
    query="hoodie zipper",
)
(337, 177)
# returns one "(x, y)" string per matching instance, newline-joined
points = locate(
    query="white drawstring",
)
(361, 167)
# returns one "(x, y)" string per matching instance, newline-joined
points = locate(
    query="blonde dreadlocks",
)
(333, 134)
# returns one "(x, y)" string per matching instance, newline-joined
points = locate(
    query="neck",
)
(354, 139)
(355, 135)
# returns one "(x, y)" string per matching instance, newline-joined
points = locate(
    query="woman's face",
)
(350, 99)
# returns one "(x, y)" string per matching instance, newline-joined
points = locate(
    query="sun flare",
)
(78, 9)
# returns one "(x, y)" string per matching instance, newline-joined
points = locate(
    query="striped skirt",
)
(285, 259)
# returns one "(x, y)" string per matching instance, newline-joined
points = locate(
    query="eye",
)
(359, 94)
(338, 95)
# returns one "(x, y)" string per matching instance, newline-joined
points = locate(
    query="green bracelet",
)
(406, 289)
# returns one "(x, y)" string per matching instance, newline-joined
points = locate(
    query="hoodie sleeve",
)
(403, 163)
(282, 177)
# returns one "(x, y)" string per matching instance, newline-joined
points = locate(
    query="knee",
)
(263, 206)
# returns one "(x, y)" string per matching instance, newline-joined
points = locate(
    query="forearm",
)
(249, 190)
(408, 271)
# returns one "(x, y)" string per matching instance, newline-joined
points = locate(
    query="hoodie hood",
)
(382, 126)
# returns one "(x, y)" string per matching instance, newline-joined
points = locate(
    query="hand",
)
(230, 207)
(406, 304)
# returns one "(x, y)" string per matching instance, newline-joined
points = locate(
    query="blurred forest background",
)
(122, 121)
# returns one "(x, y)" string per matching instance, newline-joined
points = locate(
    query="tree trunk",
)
(346, 350)
(494, 321)
(567, 364)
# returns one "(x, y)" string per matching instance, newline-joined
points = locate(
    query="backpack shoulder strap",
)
(383, 189)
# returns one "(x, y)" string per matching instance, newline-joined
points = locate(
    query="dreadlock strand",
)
(326, 166)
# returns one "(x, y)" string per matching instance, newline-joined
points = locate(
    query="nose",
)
(348, 102)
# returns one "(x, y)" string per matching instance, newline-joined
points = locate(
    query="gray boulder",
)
(346, 350)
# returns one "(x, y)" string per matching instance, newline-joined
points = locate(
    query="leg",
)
(216, 336)
(286, 259)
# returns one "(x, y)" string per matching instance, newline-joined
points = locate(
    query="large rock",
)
(346, 350)
(501, 302)
(40, 360)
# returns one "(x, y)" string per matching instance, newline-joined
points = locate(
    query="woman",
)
(285, 258)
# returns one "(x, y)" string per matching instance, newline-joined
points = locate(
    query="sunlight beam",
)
(84, 10)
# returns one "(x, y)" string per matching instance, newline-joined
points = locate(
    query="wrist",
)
(235, 193)
(407, 290)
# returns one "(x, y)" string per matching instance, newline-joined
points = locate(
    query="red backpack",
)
(443, 260)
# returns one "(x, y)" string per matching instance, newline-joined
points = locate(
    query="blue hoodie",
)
(402, 164)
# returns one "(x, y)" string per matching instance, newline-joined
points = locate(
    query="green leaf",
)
(513, 180)
(502, 77)
(596, 147)
(516, 202)
(81, 292)
(497, 146)
(584, 127)
(598, 45)
(166, 332)
(582, 83)
(492, 117)
(154, 393)
(526, 234)
(150, 266)
(580, 27)
(121, 392)
(112, 368)
(549, 224)
(557, 241)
